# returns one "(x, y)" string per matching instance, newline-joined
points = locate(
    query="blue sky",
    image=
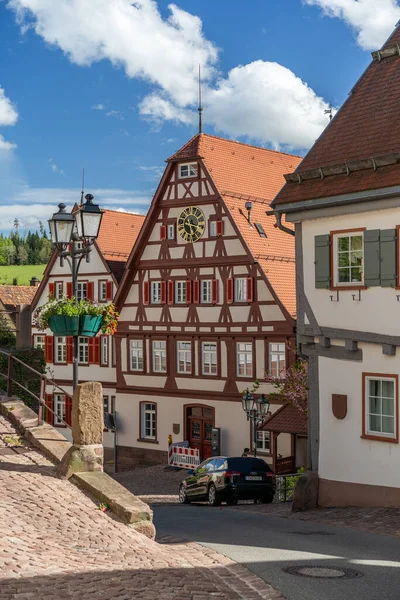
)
(110, 85)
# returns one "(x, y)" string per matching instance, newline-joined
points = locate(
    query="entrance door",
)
(200, 421)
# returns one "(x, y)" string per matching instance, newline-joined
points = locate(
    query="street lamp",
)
(256, 411)
(67, 230)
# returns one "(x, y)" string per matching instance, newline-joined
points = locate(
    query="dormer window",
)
(187, 170)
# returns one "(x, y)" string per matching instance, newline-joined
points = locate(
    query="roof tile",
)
(288, 419)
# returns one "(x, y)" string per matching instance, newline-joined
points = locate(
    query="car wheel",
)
(183, 499)
(213, 498)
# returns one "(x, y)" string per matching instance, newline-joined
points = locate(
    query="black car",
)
(222, 479)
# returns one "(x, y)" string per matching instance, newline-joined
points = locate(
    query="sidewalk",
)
(55, 543)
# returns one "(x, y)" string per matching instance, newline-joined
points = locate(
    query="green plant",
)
(103, 506)
(70, 307)
(13, 440)
(33, 357)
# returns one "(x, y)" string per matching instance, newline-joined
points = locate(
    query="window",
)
(348, 258)
(209, 358)
(206, 291)
(160, 357)
(61, 349)
(39, 341)
(108, 406)
(104, 350)
(188, 170)
(83, 350)
(380, 406)
(241, 289)
(136, 347)
(277, 359)
(81, 290)
(244, 359)
(59, 289)
(180, 292)
(148, 421)
(156, 292)
(171, 231)
(212, 226)
(184, 353)
(102, 291)
(263, 441)
(59, 409)
(260, 230)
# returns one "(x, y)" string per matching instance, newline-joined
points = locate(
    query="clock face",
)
(191, 224)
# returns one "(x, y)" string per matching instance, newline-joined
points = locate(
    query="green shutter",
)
(388, 258)
(322, 261)
(372, 263)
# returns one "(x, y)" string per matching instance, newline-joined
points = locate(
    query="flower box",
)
(62, 325)
(89, 325)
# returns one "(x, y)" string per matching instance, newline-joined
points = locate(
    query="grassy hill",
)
(23, 273)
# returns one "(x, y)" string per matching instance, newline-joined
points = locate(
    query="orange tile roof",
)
(13, 295)
(366, 126)
(287, 419)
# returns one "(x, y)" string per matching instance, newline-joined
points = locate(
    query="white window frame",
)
(159, 356)
(171, 231)
(60, 349)
(81, 290)
(59, 290)
(277, 351)
(184, 357)
(240, 289)
(244, 358)
(155, 292)
(205, 291)
(380, 434)
(59, 409)
(263, 441)
(148, 420)
(136, 355)
(39, 341)
(83, 350)
(209, 359)
(180, 292)
(336, 238)
(187, 170)
(212, 228)
(103, 291)
(104, 351)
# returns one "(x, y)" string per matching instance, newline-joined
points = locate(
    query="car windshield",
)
(247, 464)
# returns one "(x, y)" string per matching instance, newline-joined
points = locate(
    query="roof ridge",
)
(217, 137)
(184, 146)
(123, 212)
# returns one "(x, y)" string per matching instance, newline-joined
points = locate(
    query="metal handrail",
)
(43, 382)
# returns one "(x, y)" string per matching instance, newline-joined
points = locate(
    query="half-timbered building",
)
(207, 303)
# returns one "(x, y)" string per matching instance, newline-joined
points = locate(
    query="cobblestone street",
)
(55, 543)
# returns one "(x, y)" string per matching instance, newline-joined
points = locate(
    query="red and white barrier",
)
(186, 458)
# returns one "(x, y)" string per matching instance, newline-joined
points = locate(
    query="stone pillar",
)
(86, 453)
(24, 326)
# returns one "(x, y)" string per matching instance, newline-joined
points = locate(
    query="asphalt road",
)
(266, 545)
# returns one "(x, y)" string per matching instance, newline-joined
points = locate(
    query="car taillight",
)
(231, 474)
(270, 475)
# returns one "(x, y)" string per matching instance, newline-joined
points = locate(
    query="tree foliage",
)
(32, 248)
(292, 385)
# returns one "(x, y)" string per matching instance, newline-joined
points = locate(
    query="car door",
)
(196, 484)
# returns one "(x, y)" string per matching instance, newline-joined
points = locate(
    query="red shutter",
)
(68, 410)
(49, 403)
(249, 289)
(70, 349)
(94, 351)
(229, 290)
(90, 291)
(220, 227)
(163, 232)
(188, 291)
(109, 290)
(52, 288)
(214, 291)
(163, 292)
(171, 294)
(196, 291)
(146, 292)
(49, 348)
(69, 289)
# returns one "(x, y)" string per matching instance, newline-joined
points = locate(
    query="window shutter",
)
(90, 290)
(214, 291)
(68, 409)
(49, 348)
(250, 289)
(163, 232)
(322, 261)
(188, 291)
(229, 290)
(163, 292)
(109, 290)
(69, 289)
(52, 288)
(171, 294)
(388, 253)
(196, 291)
(91, 351)
(372, 258)
(96, 350)
(146, 292)
(220, 228)
(70, 349)
(49, 418)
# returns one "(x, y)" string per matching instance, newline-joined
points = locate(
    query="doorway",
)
(199, 421)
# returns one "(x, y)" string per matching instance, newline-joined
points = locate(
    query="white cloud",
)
(159, 109)
(6, 146)
(116, 114)
(98, 107)
(372, 20)
(8, 114)
(54, 167)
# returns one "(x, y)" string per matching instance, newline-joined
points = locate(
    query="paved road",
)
(267, 544)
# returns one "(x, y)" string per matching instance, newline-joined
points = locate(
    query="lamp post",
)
(67, 230)
(256, 411)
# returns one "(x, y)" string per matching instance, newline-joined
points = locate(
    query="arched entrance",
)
(199, 421)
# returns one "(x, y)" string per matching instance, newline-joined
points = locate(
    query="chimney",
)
(34, 282)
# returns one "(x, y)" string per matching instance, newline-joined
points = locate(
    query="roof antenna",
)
(83, 185)
(328, 111)
(200, 109)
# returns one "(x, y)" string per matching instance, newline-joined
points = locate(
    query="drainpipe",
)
(278, 217)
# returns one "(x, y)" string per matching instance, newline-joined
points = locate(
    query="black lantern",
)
(247, 402)
(263, 405)
(88, 219)
(61, 227)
